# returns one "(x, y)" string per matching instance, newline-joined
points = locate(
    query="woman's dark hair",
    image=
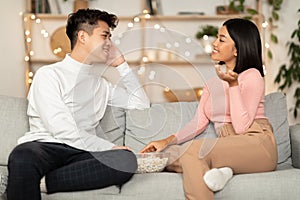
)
(87, 20)
(248, 44)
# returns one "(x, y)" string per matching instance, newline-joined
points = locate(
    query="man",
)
(66, 102)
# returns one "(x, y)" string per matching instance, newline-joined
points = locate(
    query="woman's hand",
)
(230, 76)
(159, 145)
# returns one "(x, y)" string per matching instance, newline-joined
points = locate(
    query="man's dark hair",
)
(248, 44)
(87, 20)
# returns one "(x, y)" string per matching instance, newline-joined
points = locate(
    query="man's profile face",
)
(98, 43)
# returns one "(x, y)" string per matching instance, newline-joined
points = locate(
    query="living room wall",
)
(12, 54)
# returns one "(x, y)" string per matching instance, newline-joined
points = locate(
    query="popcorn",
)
(151, 162)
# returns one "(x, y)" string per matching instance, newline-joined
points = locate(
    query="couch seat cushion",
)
(13, 123)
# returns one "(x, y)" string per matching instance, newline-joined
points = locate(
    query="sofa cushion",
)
(13, 123)
(151, 186)
(280, 184)
(112, 125)
(163, 119)
(3, 181)
(107, 193)
(159, 121)
(276, 111)
(295, 144)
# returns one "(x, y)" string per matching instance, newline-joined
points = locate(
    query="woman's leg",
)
(184, 159)
(87, 171)
(255, 151)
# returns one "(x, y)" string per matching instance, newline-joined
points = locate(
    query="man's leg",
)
(27, 164)
(96, 170)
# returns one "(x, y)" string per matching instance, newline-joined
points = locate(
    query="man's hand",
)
(115, 56)
(122, 147)
(230, 76)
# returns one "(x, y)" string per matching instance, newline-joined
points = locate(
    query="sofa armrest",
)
(295, 145)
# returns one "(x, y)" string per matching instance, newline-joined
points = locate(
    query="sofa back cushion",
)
(161, 120)
(14, 124)
(276, 111)
(158, 122)
(112, 125)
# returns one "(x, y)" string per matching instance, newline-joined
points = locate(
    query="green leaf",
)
(252, 11)
(271, 20)
(275, 15)
(274, 38)
(270, 55)
(239, 8)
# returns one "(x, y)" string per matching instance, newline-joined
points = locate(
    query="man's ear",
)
(82, 36)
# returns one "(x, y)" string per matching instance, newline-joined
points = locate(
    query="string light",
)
(38, 21)
(141, 70)
(157, 26)
(130, 25)
(152, 75)
(167, 89)
(26, 58)
(199, 92)
(188, 40)
(28, 40)
(27, 32)
(145, 59)
(265, 24)
(147, 16)
(136, 19)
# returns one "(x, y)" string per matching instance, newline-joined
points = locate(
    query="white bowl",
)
(151, 162)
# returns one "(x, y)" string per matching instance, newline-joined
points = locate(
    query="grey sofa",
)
(135, 128)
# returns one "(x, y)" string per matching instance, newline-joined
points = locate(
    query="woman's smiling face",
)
(224, 48)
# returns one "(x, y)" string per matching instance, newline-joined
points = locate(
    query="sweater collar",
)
(75, 65)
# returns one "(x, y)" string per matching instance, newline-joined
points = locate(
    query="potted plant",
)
(235, 7)
(208, 30)
(289, 75)
(207, 34)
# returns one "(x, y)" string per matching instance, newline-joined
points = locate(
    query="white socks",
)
(43, 185)
(216, 179)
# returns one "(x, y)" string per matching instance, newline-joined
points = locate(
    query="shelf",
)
(65, 17)
(154, 17)
(195, 17)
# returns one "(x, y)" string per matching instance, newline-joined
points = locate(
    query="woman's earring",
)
(235, 54)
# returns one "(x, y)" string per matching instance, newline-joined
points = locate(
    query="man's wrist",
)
(119, 61)
(123, 69)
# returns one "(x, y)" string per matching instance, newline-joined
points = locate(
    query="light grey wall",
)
(12, 67)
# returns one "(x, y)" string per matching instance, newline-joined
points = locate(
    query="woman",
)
(234, 102)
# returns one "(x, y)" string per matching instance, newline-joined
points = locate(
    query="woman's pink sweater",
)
(222, 104)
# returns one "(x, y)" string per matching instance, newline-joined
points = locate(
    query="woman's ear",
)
(235, 52)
